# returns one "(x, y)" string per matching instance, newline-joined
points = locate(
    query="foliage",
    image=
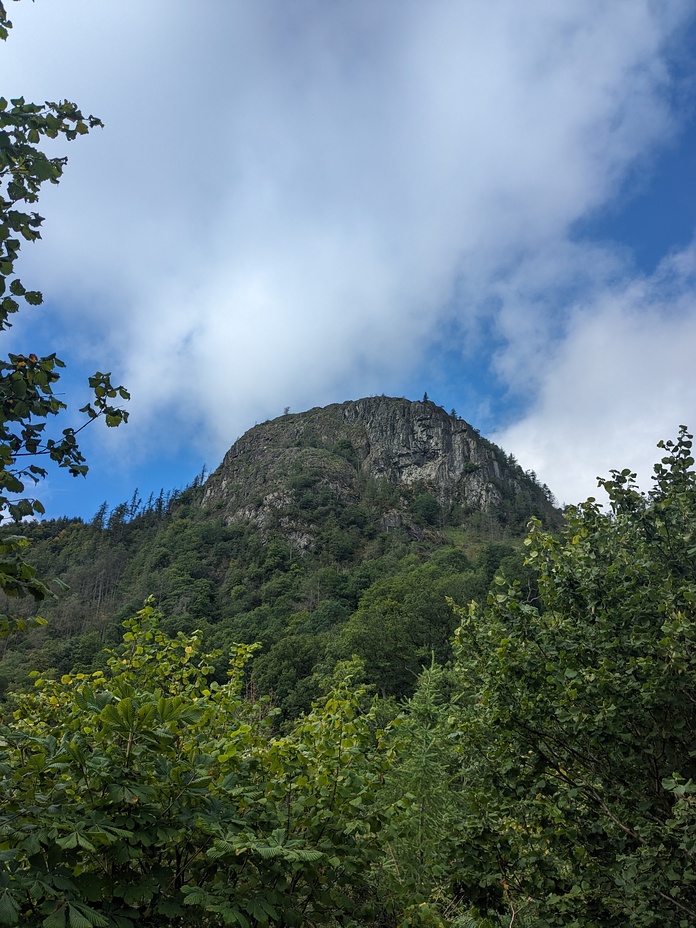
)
(579, 719)
(27, 382)
(426, 509)
(151, 795)
(422, 797)
(545, 778)
(386, 603)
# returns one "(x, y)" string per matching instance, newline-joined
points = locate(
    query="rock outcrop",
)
(417, 446)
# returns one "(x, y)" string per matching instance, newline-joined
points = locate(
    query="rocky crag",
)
(413, 447)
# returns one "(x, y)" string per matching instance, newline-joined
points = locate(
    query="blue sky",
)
(294, 204)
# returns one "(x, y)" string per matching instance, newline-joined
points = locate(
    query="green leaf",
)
(56, 919)
(78, 919)
(93, 918)
(68, 842)
(9, 909)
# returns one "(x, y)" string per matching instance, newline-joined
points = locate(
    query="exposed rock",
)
(413, 445)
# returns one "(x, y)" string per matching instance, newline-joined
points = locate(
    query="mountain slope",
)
(324, 534)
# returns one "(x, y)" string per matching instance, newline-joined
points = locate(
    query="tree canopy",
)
(545, 777)
(579, 718)
(150, 793)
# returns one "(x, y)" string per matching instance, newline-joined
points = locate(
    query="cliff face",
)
(412, 445)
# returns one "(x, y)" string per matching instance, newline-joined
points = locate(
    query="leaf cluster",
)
(150, 793)
(578, 720)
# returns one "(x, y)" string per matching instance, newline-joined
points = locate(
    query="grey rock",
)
(408, 444)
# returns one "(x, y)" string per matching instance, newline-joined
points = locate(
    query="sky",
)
(300, 202)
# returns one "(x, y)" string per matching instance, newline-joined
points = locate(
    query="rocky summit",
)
(416, 447)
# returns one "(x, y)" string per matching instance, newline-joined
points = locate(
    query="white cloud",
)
(619, 381)
(287, 197)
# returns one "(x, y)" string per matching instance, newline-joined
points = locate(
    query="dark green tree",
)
(424, 800)
(27, 382)
(579, 725)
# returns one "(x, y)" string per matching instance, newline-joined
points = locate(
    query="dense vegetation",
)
(436, 729)
(360, 589)
(544, 776)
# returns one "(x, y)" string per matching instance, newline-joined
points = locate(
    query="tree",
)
(149, 794)
(424, 800)
(580, 721)
(27, 399)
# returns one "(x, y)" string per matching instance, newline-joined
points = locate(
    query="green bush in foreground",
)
(579, 726)
(149, 795)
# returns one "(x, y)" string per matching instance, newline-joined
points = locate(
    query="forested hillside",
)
(322, 535)
(542, 775)
(364, 675)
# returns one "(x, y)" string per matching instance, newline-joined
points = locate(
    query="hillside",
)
(518, 755)
(322, 534)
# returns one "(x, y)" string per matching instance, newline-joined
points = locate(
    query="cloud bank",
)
(290, 202)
